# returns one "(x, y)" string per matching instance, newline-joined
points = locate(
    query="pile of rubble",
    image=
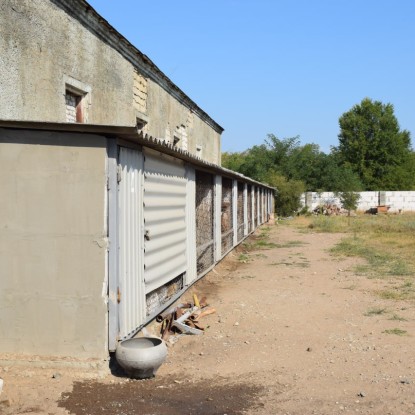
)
(330, 209)
(184, 318)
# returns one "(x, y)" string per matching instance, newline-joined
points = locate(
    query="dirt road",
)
(296, 332)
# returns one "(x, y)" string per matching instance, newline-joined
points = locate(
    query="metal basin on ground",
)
(141, 357)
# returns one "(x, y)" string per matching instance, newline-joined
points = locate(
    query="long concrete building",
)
(113, 198)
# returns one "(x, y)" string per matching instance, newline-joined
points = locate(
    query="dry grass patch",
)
(385, 242)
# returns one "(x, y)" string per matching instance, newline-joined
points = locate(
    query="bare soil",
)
(293, 334)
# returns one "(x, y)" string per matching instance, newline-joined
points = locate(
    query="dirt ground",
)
(290, 336)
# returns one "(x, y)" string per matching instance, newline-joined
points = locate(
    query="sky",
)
(285, 67)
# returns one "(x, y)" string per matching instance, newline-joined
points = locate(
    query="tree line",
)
(373, 153)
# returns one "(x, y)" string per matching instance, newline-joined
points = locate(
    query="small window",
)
(176, 140)
(73, 103)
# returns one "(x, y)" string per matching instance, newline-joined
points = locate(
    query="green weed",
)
(375, 312)
(350, 287)
(396, 331)
(244, 259)
(397, 318)
(380, 263)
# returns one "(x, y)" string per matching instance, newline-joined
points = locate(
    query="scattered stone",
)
(56, 376)
(405, 381)
(361, 394)
(309, 349)
(1, 385)
(6, 402)
(201, 354)
(236, 324)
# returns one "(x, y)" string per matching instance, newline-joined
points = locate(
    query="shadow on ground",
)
(164, 396)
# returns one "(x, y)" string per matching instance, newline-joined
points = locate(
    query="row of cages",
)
(175, 222)
(238, 208)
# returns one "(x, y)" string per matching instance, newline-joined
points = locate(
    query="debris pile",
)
(329, 209)
(184, 318)
(379, 209)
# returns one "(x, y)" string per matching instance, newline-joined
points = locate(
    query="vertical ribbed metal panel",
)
(164, 218)
(131, 283)
(191, 272)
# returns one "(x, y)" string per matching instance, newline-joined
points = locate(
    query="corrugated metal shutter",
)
(164, 219)
(131, 283)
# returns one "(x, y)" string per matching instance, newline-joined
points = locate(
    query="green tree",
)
(233, 161)
(320, 171)
(372, 145)
(349, 201)
(287, 194)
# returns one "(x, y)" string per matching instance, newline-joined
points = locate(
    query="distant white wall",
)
(400, 200)
(404, 201)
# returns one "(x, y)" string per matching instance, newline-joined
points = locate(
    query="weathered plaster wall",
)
(168, 117)
(53, 244)
(41, 47)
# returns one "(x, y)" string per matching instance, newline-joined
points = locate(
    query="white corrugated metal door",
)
(164, 219)
(131, 296)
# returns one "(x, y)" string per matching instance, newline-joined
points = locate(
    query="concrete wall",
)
(400, 200)
(43, 50)
(53, 244)
(397, 200)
